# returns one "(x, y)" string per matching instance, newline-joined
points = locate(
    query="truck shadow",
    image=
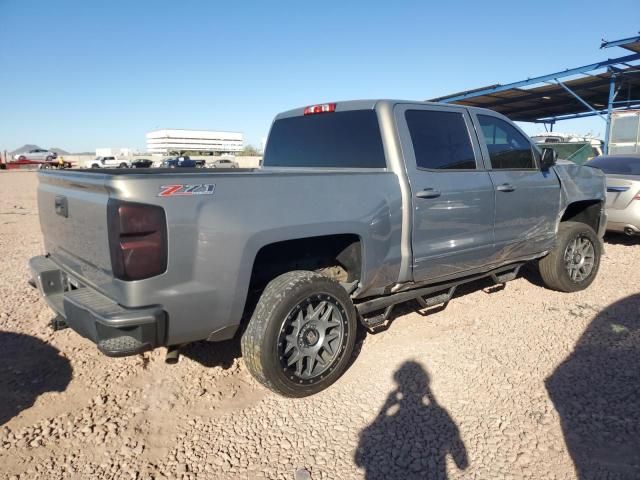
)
(615, 238)
(224, 354)
(531, 274)
(29, 368)
(596, 391)
(413, 435)
(213, 354)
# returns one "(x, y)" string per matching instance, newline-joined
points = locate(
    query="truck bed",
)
(215, 234)
(156, 171)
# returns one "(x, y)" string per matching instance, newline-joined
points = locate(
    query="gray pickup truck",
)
(361, 205)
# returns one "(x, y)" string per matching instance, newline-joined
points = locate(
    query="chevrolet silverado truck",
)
(359, 206)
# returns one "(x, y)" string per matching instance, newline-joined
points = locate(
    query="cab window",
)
(508, 148)
(440, 140)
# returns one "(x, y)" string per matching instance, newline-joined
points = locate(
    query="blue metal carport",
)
(596, 89)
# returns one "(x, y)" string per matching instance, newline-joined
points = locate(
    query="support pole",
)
(612, 88)
(580, 99)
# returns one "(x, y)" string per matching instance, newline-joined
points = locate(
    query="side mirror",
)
(549, 158)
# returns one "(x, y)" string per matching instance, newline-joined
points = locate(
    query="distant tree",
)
(249, 151)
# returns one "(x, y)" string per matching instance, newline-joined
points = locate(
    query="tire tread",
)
(252, 340)
(551, 267)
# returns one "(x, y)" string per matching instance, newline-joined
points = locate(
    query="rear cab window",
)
(348, 139)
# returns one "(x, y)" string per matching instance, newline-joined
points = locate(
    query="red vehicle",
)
(26, 163)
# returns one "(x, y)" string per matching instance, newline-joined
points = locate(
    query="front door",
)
(527, 199)
(452, 193)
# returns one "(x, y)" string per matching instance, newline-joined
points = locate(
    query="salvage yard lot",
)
(514, 382)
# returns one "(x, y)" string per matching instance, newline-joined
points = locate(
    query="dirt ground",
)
(519, 382)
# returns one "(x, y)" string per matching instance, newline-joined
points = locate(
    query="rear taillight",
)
(637, 197)
(137, 240)
(323, 108)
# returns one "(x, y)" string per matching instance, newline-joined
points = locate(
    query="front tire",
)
(573, 263)
(301, 335)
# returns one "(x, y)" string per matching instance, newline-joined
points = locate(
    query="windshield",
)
(337, 139)
(617, 165)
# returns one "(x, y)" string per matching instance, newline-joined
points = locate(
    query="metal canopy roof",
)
(595, 89)
(553, 97)
(631, 43)
(553, 100)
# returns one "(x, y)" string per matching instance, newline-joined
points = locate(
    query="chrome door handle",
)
(428, 193)
(505, 187)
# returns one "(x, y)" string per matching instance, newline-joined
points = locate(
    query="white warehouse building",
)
(166, 141)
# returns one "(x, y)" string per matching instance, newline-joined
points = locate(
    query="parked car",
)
(59, 163)
(107, 162)
(623, 191)
(142, 163)
(37, 154)
(224, 163)
(179, 162)
(360, 206)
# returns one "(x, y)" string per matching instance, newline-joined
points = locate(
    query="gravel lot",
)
(519, 382)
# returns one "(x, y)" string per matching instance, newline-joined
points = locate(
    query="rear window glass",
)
(337, 139)
(617, 165)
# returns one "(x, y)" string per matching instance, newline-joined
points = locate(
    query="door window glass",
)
(440, 140)
(508, 148)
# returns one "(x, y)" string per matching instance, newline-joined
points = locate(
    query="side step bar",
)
(444, 292)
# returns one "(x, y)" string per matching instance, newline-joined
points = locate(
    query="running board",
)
(444, 292)
(506, 276)
(440, 299)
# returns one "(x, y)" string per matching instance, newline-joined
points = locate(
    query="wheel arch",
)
(338, 256)
(588, 212)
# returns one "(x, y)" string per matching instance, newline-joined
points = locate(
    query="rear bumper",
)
(626, 220)
(118, 331)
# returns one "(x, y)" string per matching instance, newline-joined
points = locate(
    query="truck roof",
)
(369, 104)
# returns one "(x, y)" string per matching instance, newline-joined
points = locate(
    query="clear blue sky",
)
(85, 74)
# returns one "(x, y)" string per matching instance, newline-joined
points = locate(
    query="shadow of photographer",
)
(29, 367)
(412, 435)
(596, 392)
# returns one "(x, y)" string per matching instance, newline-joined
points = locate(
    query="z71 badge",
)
(184, 190)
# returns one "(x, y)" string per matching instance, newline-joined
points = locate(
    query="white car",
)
(224, 163)
(107, 162)
(37, 154)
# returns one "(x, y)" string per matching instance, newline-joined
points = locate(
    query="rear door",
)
(453, 198)
(527, 200)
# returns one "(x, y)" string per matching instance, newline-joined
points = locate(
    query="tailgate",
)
(73, 217)
(621, 191)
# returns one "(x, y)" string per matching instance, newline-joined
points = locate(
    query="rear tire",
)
(301, 335)
(573, 263)
(123, 165)
(95, 165)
